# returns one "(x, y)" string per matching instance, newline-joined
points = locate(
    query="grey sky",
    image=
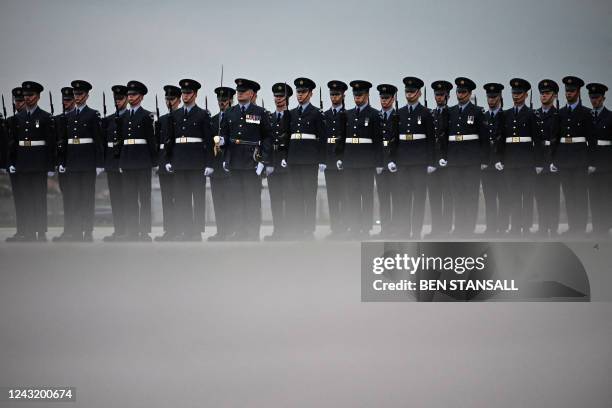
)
(159, 42)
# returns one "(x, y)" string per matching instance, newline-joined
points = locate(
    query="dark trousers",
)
(495, 200)
(440, 201)
(409, 193)
(30, 195)
(17, 197)
(600, 195)
(465, 185)
(279, 184)
(574, 183)
(115, 191)
(189, 199)
(302, 203)
(136, 185)
(166, 186)
(360, 198)
(384, 191)
(336, 199)
(246, 202)
(221, 196)
(79, 201)
(548, 196)
(519, 191)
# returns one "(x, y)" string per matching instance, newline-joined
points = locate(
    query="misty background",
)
(158, 43)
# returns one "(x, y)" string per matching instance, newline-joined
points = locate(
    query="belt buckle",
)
(409, 136)
(298, 136)
(237, 141)
(332, 140)
(568, 139)
(183, 139)
(355, 140)
(515, 139)
(76, 140)
(130, 141)
(459, 138)
(385, 143)
(27, 143)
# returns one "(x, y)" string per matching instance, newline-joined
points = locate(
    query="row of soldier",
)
(445, 153)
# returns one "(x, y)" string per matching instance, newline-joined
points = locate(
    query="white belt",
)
(134, 141)
(28, 143)
(573, 140)
(409, 136)
(161, 146)
(547, 143)
(518, 139)
(307, 136)
(461, 138)
(188, 140)
(358, 140)
(604, 142)
(80, 140)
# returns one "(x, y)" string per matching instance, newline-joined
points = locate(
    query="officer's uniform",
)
(112, 127)
(520, 148)
(465, 149)
(335, 120)
(163, 134)
(600, 183)
(138, 154)
(17, 94)
(84, 152)
(360, 152)
(279, 183)
(438, 185)
(412, 150)
(31, 151)
(306, 149)
(572, 156)
(191, 151)
(247, 134)
(493, 183)
(60, 126)
(384, 178)
(548, 188)
(220, 183)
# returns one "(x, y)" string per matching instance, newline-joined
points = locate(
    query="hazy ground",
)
(266, 325)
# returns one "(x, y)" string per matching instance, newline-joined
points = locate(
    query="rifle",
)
(557, 100)
(157, 107)
(104, 103)
(263, 104)
(217, 138)
(118, 127)
(320, 100)
(51, 103)
(206, 102)
(3, 107)
(425, 97)
(475, 100)
(531, 99)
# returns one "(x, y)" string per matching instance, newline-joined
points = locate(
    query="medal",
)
(419, 120)
(470, 120)
(37, 124)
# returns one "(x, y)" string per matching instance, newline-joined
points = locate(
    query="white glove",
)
(208, 171)
(392, 167)
(283, 163)
(99, 170)
(483, 166)
(339, 165)
(442, 162)
(322, 166)
(50, 173)
(226, 167)
(430, 169)
(591, 169)
(379, 170)
(269, 170)
(221, 140)
(12, 169)
(539, 170)
(120, 170)
(61, 169)
(168, 167)
(553, 168)
(259, 169)
(499, 166)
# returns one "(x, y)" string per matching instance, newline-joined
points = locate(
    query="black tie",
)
(131, 113)
(386, 116)
(334, 112)
(410, 109)
(357, 111)
(515, 110)
(28, 115)
(300, 110)
(243, 109)
(278, 117)
(595, 114)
